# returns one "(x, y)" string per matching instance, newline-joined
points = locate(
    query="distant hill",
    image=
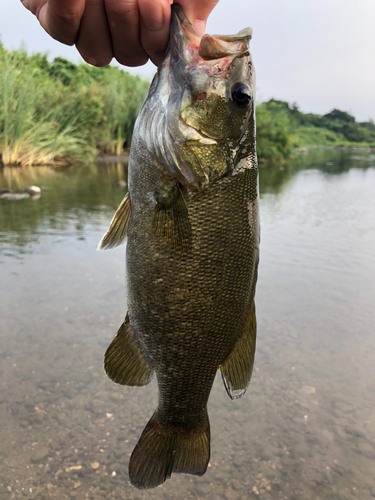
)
(282, 127)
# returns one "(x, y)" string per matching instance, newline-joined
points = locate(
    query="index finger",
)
(60, 18)
(197, 11)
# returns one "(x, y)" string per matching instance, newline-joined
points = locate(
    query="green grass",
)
(313, 136)
(62, 112)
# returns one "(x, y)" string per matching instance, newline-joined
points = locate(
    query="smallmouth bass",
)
(192, 227)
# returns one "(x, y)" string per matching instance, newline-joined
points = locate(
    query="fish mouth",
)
(213, 54)
(192, 134)
(194, 67)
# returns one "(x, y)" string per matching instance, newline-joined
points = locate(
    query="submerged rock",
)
(33, 192)
(14, 196)
(40, 454)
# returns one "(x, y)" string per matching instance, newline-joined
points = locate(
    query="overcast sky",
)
(317, 53)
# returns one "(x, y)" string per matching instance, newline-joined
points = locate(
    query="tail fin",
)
(163, 449)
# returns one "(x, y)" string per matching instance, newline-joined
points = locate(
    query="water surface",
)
(306, 427)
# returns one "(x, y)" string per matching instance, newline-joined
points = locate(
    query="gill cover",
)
(197, 121)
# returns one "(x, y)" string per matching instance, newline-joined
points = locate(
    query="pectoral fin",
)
(238, 366)
(116, 233)
(124, 362)
(171, 219)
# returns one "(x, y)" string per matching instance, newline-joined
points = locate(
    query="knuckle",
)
(64, 26)
(100, 62)
(70, 18)
(132, 60)
(95, 58)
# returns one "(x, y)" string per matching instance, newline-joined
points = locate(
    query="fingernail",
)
(199, 27)
(26, 3)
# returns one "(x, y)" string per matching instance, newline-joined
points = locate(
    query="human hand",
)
(132, 31)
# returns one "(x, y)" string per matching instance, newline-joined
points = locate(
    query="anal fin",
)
(237, 368)
(124, 362)
(116, 233)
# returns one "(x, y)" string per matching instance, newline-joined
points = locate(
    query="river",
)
(305, 430)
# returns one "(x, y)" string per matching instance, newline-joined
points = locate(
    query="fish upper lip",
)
(191, 133)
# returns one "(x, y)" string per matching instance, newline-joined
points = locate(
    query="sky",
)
(319, 54)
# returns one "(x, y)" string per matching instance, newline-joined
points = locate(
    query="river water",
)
(305, 429)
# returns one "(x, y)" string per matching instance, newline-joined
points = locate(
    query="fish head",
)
(198, 119)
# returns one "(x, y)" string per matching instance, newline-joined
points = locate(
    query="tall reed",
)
(51, 112)
(122, 96)
(29, 132)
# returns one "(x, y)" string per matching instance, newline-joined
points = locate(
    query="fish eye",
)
(241, 94)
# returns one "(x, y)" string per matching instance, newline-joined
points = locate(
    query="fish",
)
(190, 220)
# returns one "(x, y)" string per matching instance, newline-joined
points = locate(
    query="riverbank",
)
(366, 149)
(53, 113)
(60, 112)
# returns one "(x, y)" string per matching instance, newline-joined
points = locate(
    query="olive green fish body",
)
(187, 305)
(192, 227)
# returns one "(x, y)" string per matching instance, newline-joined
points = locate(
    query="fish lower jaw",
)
(192, 134)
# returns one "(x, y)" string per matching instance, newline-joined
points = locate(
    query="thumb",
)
(197, 11)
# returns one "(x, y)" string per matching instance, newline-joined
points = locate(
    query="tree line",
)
(282, 127)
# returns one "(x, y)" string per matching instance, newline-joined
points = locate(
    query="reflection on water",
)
(331, 161)
(306, 427)
(74, 200)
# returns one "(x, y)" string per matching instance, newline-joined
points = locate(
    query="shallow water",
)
(306, 427)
